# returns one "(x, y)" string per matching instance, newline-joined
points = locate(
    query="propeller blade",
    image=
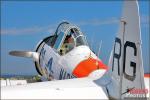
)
(27, 54)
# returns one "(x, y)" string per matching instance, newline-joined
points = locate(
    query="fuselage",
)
(66, 54)
(79, 62)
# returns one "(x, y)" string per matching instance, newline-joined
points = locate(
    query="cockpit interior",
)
(66, 37)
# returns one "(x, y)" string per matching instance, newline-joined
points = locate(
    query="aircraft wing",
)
(81, 88)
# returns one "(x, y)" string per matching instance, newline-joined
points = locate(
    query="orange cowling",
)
(87, 66)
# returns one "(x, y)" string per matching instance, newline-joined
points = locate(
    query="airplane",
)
(124, 78)
(63, 55)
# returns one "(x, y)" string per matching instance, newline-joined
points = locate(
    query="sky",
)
(25, 23)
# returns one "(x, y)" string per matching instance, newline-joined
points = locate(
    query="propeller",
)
(27, 54)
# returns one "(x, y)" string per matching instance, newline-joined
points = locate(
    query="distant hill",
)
(11, 76)
(29, 78)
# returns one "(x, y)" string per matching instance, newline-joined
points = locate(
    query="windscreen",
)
(79, 37)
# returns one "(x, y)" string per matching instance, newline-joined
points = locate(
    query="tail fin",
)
(126, 61)
(28, 54)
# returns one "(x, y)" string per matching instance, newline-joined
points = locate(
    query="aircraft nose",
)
(87, 66)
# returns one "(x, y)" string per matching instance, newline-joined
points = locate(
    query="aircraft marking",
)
(65, 75)
(118, 55)
(132, 64)
(42, 54)
(49, 65)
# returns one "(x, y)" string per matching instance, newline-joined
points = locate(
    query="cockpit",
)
(67, 37)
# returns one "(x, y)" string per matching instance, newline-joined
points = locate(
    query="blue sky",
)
(25, 23)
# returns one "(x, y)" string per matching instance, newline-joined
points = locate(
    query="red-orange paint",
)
(85, 67)
(147, 75)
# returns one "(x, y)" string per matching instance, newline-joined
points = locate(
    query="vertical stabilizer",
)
(126, 64)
